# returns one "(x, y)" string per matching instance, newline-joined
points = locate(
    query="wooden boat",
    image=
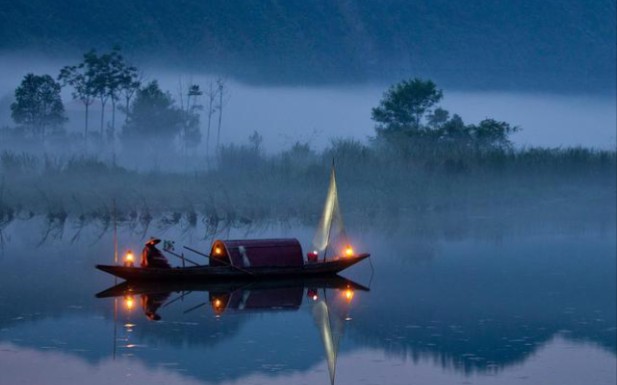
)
(260, 258)
(231, 272)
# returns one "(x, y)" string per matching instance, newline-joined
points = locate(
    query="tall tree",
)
(128, 87)
(404, 105)
(211, 94)
(102, 81)
(222, 92)
(81, 78)
(192, 133)
(38, 105)
(153, 116)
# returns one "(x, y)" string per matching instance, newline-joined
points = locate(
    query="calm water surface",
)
(520, 308)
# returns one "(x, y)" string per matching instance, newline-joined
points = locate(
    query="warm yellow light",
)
(129, 302)
(349, 294)
(218, 250)
(129, 258)
(348, 251)
(217, 303)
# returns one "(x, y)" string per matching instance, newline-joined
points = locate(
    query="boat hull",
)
(228, 286)
(199, 273)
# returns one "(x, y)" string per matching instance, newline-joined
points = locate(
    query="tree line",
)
(150, 113)
(408, 118)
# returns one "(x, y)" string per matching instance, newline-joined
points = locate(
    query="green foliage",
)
(38, 106)
(106, 76)
(404, 106)
(410, 124)
(153, 116)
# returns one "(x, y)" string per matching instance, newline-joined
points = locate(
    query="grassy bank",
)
(441, 189)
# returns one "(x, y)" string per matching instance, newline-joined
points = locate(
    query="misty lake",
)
(518, 306)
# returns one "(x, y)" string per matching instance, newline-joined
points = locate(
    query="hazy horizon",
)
(316, 115)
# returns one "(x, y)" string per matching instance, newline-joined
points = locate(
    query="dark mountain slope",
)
(527, 44)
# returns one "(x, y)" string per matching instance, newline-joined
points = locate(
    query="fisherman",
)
(152, 257)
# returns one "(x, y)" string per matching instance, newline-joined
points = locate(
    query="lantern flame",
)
(129, 302)
(349, 295)
(129, 259)
(348, 251)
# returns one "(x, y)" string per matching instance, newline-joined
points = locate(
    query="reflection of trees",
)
(483, 315)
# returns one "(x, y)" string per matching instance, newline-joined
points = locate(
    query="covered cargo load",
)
(257, 253)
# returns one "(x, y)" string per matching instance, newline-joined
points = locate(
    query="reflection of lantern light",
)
(129, 259)
(312, 294)
(129, 302)
(218, 305)
(348, 251)
(349, 295)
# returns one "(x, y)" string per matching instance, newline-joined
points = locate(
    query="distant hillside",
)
(526, 44)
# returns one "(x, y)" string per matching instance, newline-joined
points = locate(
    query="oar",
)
(181, 296)
(194, 307)
(181, 257)
(219, 260)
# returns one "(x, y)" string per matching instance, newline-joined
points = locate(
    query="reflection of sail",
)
(331, 223)
(331, 330)
(322, 317)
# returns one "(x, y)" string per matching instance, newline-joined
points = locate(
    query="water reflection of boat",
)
(330, 312)
(269, 288)
(239, 295)
(261, 258)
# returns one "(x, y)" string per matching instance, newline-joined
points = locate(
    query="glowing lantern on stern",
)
(312, 256)
(129, 259)
(348, 251)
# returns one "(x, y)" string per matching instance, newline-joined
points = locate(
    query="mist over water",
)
(316, 115)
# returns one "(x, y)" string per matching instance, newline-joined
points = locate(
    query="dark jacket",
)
(152, 257)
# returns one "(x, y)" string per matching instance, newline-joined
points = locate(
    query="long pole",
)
(218, 260)
(113, 202)
(182, 257)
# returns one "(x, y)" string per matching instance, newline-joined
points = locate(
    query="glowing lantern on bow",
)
(129, 259)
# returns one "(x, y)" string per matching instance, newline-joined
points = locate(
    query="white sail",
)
(331, 223)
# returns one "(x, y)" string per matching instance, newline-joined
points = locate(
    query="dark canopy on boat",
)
(257, 252)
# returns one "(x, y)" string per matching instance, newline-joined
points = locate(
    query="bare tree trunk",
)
(221, 87)
(113, 117)
(211, 96)
(113, 130)
(86, 127)
(103, 103)
(126, 112)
